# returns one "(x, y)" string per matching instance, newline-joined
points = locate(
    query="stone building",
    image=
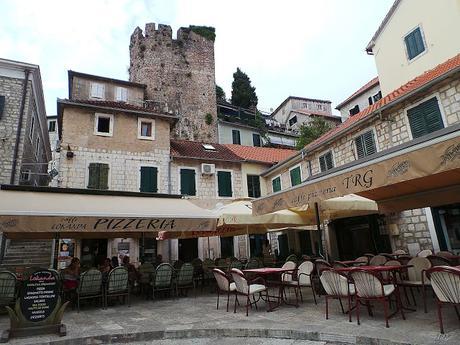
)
(180, 73)
(365, 96)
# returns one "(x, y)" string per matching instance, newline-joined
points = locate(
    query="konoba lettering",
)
(138, 224)
(363, 180)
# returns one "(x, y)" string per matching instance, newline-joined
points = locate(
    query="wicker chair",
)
(336, 286)
(208, 265)
(146, 272)
(387, 277)
(198, 273)
(184, 279)
(445, 254)
(236, 264)
(378, 260)
(292, 258)
(320, 266)
(437, 260)
(253, 263)
(363, 259)
(416, 278)
(224, 286)
(445, 282)
(117, 284)
(248, 288)
(304, 275)
(8, 288)
(370, 287)
(221, 263)
(424, 253)
(399, 252)
(177, 264)
(90, 287)
(338, 264)
(162, 281)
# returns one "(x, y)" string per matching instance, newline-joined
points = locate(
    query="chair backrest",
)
(117, 280)
(363, 259)
(437, 260)
(287, 277)
(163, 276)
(425, 253)
(253, 263)
(7, 287)
(304, 272)
(291, 257)
(334, 283)
(177, 264)
(236, 264)
(90, 282)
(404, 259)
(321, 265)
(222, 279)
(387, 275)
(146, 271)
(338, 264)
(240, 280)
(378, 260)
(418, 265)
(208, 263)
(197, 262)
(445, 254)
(445, 282)
(367, 284)
(399, 252)
(185, 275)
(221, 262)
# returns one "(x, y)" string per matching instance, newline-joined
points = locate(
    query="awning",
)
(44, 214)
(424, 172)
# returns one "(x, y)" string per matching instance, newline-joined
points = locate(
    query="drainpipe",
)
(18, 132)
(169, 192)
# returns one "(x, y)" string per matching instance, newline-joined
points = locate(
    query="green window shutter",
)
(2, 105)
(414, 43)
(322, 163)
(295, 176)
(149, 183)
(326, 162)
(224, 183)
(103, 176)
(236, 139)
(253, 186)
(425, 118)
(187, 182)
(276, 184)
(98, 176)
(365, 144)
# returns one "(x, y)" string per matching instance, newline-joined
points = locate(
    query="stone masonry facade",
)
(180, 74)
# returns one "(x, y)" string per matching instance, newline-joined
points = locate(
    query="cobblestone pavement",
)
(231, 341)
(196, 319)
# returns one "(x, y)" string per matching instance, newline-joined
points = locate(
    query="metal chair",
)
(399, 252)
(445, 282)
(8, 288)
(370, 287)
(304, 275)
(336, 286)
(253, 263)
(416, 278)
(424, 253)
(224, 286)
(363, 259)
(146, 272)
(162, 281)
(292, 258)
(90, 287)
(338, 264)
(117, 284)
(437, 260)
(184, 279)
(236, 264)
(378, 260)
(248, 288)
(198, 273)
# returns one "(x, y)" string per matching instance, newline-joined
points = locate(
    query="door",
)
(93, 252)
(226, 247)
(447, 225)
(188, 249)
(283, 246)
(305, 242)
(148, 183)
(256, 245)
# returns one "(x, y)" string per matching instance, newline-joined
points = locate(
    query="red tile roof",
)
(112, 104)
(393, 97)
(317, 113)
(195, 150)
(266, 155)
(370, 84)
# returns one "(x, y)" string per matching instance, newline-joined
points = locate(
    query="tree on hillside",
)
(220, 94)
(243, 94)
(312, 130)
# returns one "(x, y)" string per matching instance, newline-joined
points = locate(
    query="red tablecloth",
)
(373, 268)
(268, 270)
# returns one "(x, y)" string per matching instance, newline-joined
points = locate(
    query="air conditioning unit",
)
(208, 169)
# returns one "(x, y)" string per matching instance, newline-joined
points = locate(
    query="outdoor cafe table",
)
(273, 271)
(393, 269)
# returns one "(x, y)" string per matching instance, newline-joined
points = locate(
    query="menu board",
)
(39, 296)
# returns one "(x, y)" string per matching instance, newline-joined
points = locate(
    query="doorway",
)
(226, 247)
(256, 244)
(305, 242)
(93, 252)
(188, 249)
(447, 224)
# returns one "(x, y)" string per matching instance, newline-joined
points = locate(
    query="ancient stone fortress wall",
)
(179, 73)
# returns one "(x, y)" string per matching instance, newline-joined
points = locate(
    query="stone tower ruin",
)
(180, 75)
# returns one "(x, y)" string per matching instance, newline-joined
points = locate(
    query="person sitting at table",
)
(71, 277)
(133, 274)
(115, 262)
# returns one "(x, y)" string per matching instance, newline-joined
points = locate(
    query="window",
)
(414, 43)
(52, 126)
(425, 118)
(253, 186)
(293, 120)
(326, 162)
(209, 147)
(97, 91)
(2, 105)
(319, 107)
(377, 97)
(370, 100)
(32, 125)
(121, 94)
(25, 175)
(224, 184)
(187, 182)
(236, 139)
(37, 146)
(256, 139)
(149, 180)
(296, 176)
(103, 125)
(276, 184)
(146, 129)
(365, 144)
(98, 177)
(354, 110)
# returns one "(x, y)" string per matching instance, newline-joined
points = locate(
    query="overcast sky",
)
(309, 48)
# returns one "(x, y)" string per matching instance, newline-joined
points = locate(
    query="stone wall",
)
(179, 72)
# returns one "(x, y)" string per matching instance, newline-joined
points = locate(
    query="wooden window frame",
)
(96, 121)
(140, 120)
(231, 181)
